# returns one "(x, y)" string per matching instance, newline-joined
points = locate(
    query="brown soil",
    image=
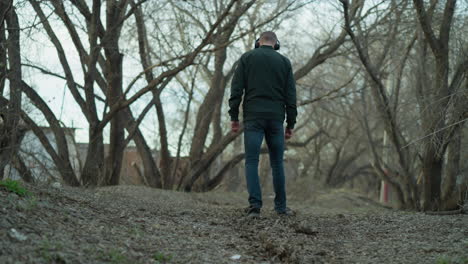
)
(134, 224)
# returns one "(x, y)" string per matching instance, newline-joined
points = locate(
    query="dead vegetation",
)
(130, 224)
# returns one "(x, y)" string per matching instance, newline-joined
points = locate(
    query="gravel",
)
(135, 224)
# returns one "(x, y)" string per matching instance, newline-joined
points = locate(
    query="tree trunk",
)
(22, 169)
(435, 119)
(114, 157)
(206, 109)
(432, 170)
(217, 86)
(94, 164)
(450, 194)
(217, 129)
(165, 155)
(150, 170)
(154, 176)
(3, 107)
(3, 53)
(115, 11)
(434, 148)
(64, 166)
(197, 170)
(205, 115)
(9, 133)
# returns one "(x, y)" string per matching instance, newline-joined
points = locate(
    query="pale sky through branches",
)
(298, 35)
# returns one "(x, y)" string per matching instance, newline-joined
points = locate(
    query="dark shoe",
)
(287, 212)
(252, 212)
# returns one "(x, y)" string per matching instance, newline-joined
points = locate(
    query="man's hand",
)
(235, 126)
(288, 133)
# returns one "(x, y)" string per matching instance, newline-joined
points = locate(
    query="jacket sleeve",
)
(237, 90)
(291, 108)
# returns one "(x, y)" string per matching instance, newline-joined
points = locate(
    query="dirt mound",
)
(134, 224)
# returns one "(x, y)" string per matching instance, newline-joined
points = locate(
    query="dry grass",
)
(131, 224)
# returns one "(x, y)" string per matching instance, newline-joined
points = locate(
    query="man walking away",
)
(265, 78)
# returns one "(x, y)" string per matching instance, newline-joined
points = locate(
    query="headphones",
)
(276, 47)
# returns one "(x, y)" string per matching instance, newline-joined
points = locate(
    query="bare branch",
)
(62, 57)
(47, 72)
(426, 25)
(167, 74)
(306, 142)
(326, 96)
(446, 25)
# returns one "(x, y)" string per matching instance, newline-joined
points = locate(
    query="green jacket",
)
(267, 79)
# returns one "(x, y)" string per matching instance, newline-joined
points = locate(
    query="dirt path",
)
(129, 224)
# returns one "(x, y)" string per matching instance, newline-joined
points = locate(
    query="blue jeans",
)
(273, 132)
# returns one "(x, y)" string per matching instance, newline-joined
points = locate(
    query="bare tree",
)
(438, 101)
(215, 95)
(102, 65)
(10, 127)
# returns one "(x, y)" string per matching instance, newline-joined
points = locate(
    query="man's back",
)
(269, 87)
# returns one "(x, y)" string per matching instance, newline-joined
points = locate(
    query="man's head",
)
(268, 38)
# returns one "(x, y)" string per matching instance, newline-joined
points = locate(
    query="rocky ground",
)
(134, 224)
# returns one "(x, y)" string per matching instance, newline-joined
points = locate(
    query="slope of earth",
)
(134, 224)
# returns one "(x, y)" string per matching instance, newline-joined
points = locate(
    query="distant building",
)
(38, 161)
(42, 167)
(132, 164)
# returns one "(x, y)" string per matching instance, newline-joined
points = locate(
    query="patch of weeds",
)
(452, 260)
(114, 256)
(135, 231)
(47, 250)
(461, 260)
(162, 258)
(443, 260)
(14, 187)
(28, 204)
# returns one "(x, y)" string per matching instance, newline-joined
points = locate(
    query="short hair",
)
(268, 36)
